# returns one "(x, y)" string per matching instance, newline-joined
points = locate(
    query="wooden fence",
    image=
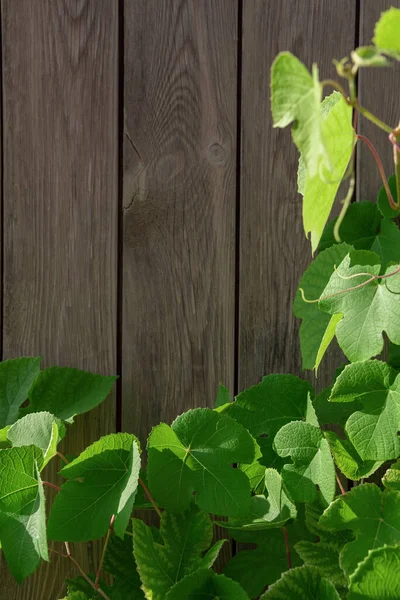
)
(151, 225)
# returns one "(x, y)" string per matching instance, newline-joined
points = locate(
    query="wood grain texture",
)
(60, 69)
(179, 207)
(377, 91)
(273, 250)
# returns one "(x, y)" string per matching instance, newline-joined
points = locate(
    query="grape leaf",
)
(386, 35)
(393, 358)
(348, 460)
(372, 514)
(317, 328)
(206, 585)
(223, 398)
(16, 377)
(367, 311)
(66, 392)
(120, 563)
(330, 413)
(79, 585)
(266, 512)
(102, 482)
(304, 583)
(368, 56)
(373, 428)
(383, 202)
(276, 400)
(295, 98)
(377, 577)
(391, 479)
(320, 189)
(197, 454)
(255, 471)
(312, 462)
(325, 558)
(255, 569)
(186, 536)
(38, 429)
(22, 510)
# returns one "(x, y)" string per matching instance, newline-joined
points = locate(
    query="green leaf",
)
(277, 400)
(332, 413)
(373, 428)
(372, 514)
(391, 479)
(22, 510)
(320, 189)
(77, 596)
(223, 398)
(312, 462)
(256, 569)
(317, 328)
(336, 539)
(377, 577)
(325, 558)
(386, 37)
(266, 512)
(102, 482)
(368, 56)
(120, 563)
(383, 202)
(37, 429)
(255, 471)
(186, 537)
(295, 98)
(196, 455)
(303, 583)
(16, 377)
(206, 585)
(348, 460)
(79, 585)
(367, 311)
(393, 358)
(66, 392)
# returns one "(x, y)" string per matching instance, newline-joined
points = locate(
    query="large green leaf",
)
(317, 328)
(312, 462)
(66, 392)
(102, 483)
(38, 429)
(325, 558)
(120, 563)
(186, 536)
(303, 583)
(386, 37)
(377, 577)
(348, 460)
(295, 98)
(197, 455)
(372, 514)
(258, 568)
(367, 311)
(383, 201)
(319, 189)
(266, 512)
(16, 377)
(22, 510)
(391, 479)
(206, 585)
(373, 428)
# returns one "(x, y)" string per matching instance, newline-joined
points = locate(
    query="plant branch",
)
(63, 458)
(342, 490)
(52, 485)
(368, 115)
(81, 571)
(350, 289)
(287, 546)
(150, 497)
(346, 204)
(96, 582)
(381, 169)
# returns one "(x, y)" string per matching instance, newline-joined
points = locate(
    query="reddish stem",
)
(342, 490)
(287, 546)
(110, 528)
(63, 458)
(81, 571)
(150, 497)
(51, 485)
(381, 169)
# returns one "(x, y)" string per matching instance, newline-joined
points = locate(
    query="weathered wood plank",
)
(60, 65)
(378, 92)
(273, 250)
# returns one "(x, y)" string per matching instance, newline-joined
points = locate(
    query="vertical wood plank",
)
(378, 92)
(60, 66)
(273, 250)
(179, 207)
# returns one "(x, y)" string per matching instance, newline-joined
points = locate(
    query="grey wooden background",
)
(150, 221)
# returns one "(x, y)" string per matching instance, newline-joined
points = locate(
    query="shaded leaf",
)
(304, 583)
(37, 429)
(377, 577)
(325, 558)
(206, 585)
(348, 460)
(391, 479)
(16, 377)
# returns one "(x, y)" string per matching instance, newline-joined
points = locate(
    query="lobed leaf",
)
(303, 582)
(206, 584)
(377, 577)
(16, 378)
(386, 35)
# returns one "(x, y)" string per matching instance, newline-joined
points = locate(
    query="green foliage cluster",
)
(261, 468)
